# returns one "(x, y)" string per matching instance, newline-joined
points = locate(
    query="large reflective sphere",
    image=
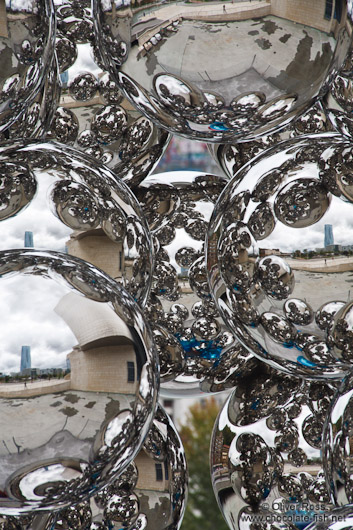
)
(27, 38)
(152, 492)
(337, 445)
(78, 380)
(223, 71)
(55, 197)
(196, 352)
(93, 114)
(232, 156)
(279, 256)
(266, 465)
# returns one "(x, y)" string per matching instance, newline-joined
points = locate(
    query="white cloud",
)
(28, 318)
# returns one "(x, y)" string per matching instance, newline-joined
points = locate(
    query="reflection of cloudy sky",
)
(287, 239)
(48, 231)
(21, 5)
(339, 214)
(181, 240)
(27, 307)
(84, 62)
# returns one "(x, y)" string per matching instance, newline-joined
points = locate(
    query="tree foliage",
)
(202, 512)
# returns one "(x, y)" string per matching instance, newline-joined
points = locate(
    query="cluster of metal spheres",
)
(120, 285)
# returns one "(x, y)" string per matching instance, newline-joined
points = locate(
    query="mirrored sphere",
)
(337, 440)
(93, 114)
(77, 516)
(79, 380)
(27, 36)
(35, 121)
(227, 71)
(232, 156)
(266, 466)
(196, 352)
(279, 256)
(55, 197)
(152, 492)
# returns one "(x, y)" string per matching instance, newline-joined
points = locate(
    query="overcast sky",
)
(27, 308)
(48, 231)
(84, 62)
(287, 239)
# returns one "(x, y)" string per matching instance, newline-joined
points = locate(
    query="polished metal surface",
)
(232, 156)
(337, 449)
(93, 115)
(37, 117)
(283, 290)
(196, 352)
(68, 428)
(27, 40)
(226, 71)
(266, 465)
(152, 493)
(68, 200)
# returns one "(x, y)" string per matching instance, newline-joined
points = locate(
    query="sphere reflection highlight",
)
(77, 427)
(223, 73)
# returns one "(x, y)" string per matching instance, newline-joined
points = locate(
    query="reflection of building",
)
(105, 358)
(64, 78)
(328, 236)
(25, 358)
(96, 247)
(155, 475)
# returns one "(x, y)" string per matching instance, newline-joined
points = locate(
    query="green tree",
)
(202, 510)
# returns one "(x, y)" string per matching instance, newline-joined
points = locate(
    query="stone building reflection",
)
(105, 358)
(97, 248)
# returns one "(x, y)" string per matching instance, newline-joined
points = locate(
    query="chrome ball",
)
(155, 494)
(93, 114)
(211, 73)
(55, 197)
(80, 389)
(266, 466)
(337, 438)
(27, 34)
(279, 282)
(195, 353)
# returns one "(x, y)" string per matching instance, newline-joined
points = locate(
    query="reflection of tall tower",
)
(25, 357)
(28, 239)
(328, 235)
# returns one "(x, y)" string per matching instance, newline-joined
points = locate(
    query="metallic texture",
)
(337, 450)
(93, 114)
(212, 73)
(27, 36)
(291, 312)
(232, 156)
(197, 353)
(152, 493)
(266, 466)
(69, 200)
(64, 438)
